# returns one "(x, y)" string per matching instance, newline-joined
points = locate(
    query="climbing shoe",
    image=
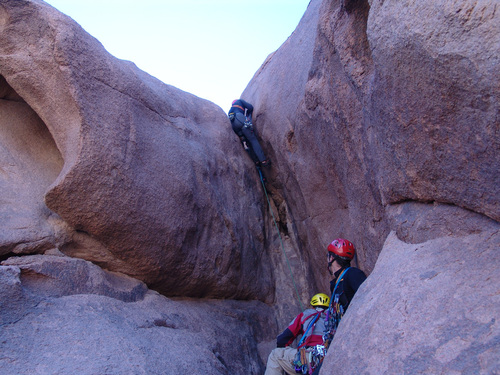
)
(266, 163)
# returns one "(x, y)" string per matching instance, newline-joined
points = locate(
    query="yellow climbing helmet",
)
(320, 299)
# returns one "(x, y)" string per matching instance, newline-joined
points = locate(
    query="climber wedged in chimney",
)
(240, 116)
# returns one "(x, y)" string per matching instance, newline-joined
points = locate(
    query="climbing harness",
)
(333, 314)
(262, 179)
(311, 324)
(307, 359)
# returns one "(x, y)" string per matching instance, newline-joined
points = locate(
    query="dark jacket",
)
(348, 285)
(239, 106)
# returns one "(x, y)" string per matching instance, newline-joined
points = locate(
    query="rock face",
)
(434, 90)
(382, 121)
(30, 163)
(382, 117)
(123, 170)
(432, 309)
(64, 316)
(391, 139)
(103, 162)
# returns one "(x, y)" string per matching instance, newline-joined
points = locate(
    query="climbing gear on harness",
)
(308, 359)
(231, 116)
(317, 355)
(320, 299)
(334, 313)
(342, 248)
(248, 125)
(303, 359)
(300, 362)
(263, 180)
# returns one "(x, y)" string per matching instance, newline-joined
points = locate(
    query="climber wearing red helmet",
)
(240, 116)
(344, 284)
(340, 252)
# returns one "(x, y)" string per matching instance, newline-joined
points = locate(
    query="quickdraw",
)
(332, 320)
(308, 359)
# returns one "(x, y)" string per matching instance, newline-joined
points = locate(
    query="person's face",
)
(332, 263)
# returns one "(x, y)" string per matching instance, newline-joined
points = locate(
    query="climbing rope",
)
(281, 241)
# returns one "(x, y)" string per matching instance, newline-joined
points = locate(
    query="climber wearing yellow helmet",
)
(309, 323)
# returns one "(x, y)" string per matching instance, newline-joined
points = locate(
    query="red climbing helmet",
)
(342, 248)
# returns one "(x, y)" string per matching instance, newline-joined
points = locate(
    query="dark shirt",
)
(240, 105)
(284, 338)
(348, 286)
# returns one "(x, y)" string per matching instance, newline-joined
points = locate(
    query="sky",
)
(210, 48)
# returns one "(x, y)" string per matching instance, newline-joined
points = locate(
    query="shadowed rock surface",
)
(67, 316)
(394, 129)
(381, 119)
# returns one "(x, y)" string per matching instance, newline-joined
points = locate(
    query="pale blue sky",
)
(210, 48)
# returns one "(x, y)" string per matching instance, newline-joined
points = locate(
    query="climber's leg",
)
(281, 359)
(254, 144)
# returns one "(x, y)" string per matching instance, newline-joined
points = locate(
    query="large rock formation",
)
(61, 315)
(381, 119)
(103, 162)
(391, 139)
(109, 164)
(428, 307)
